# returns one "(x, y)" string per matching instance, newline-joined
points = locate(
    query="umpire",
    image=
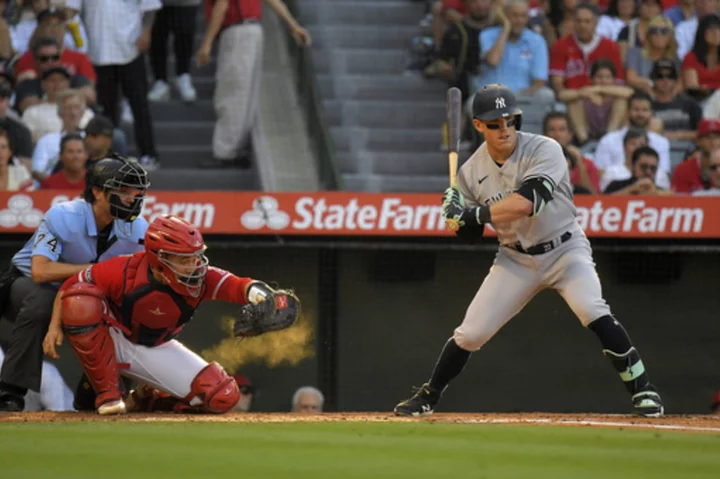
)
(103, 223)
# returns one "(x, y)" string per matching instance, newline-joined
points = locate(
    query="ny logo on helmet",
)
(499, 102)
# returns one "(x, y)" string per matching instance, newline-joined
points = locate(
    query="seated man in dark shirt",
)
(679, 113)
(642, 182)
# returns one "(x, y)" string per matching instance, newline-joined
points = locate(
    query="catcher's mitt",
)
(278, 311)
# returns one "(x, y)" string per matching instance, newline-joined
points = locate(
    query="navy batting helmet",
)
(496, 101)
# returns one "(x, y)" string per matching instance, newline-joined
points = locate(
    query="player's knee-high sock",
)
(624, 357)
(451, 362)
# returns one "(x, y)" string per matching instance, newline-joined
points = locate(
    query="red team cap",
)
(708, 126)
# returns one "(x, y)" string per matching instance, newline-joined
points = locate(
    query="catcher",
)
(121, 315)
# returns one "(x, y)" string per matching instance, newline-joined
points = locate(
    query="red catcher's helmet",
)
(177, 251)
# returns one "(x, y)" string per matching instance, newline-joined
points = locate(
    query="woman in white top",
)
(616, 17)
(12, 177)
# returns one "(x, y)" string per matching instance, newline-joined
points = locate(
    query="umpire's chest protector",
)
(150, 312)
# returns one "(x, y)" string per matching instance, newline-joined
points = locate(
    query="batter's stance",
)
(519, 183)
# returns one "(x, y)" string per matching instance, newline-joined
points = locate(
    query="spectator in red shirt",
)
(572, 56)
(45, 54)
(692, 174)
(73, 156)
(701, 67)
(583, 173)
(52, 24)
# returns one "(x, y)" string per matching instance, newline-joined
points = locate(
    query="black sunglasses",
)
(496, 126)
(48, 58)
(660, 30)
(648, 168)
(714, 167)
(665, 76)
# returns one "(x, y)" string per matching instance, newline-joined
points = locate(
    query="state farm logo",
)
(266, 212)
(20, 211)
(198, 214)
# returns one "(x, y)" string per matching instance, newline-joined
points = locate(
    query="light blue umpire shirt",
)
(68, 234)
(522, 61)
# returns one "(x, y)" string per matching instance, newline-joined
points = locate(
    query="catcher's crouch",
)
(121, 315)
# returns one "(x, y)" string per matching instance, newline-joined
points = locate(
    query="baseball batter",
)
(519, 182)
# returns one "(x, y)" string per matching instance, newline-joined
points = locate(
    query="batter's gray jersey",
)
(482, 181)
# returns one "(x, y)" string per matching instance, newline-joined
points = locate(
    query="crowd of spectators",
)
(625, 82)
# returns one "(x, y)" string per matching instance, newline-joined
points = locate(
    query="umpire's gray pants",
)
(30, 308)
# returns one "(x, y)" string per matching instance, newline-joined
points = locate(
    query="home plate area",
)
(692, 423)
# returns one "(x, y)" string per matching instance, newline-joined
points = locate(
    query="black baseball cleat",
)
(11, 402)
(648, 403)
(421, 404)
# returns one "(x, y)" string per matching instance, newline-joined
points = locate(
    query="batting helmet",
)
(111, 175)
(177, 251)
(496, 101)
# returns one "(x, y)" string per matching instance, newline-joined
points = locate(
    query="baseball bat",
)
(453, 107)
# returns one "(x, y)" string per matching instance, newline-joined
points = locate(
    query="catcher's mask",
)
(123, 180)
(177, 252)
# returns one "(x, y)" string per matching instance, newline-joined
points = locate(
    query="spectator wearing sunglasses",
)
(634, 34)
(679, 113)
(701, 67)
(659, 45)
(692, 174)
(644, 166)
(247, 391)
(713, 176)
(46, 55)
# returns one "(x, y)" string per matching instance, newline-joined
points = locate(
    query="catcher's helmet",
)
(111, 175)
(495, 101)
(177, 251)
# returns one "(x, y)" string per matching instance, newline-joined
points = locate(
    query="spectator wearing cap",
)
(609, 151)
(635, 33)
(73, 158)
(98, 138)
(572, 56)
(308, 400)
(119, 35)
(237, 79)
(679, 112)
(41, 12)
(71, 108)
(701, 66)
(644, 166)
(176, 17)
(596, 109)
(659, 45)
(247, 392)
(19, 135)
(42, 118)
(13, 177)
(515, 56)
(685, 31)
(684, 10)
(713, 177)
(46, 54)
(693, 174)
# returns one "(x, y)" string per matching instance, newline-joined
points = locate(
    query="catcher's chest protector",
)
(151, 312)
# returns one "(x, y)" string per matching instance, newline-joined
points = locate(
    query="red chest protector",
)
(151, 313)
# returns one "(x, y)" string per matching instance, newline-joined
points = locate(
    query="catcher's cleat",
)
(11, 402)
(421, 404)
(116, 406)
(648, 403)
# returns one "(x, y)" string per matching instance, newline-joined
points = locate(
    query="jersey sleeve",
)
(547, 162)
(224, 286)
(47, 241)
(107, 275)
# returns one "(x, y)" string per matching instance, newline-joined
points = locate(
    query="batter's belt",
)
(543, 248)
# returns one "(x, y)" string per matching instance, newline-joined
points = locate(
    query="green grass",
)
(348, 450)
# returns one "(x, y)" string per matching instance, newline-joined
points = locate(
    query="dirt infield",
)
(700, 423)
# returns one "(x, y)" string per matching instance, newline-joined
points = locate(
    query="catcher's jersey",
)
(482, 181)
